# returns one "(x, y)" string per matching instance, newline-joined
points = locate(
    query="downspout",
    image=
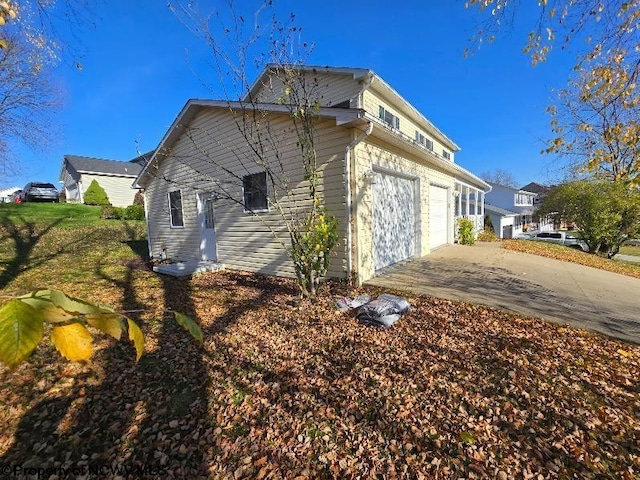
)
(347, 188)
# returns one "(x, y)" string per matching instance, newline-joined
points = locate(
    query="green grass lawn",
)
(62, 215)
(282, 389)
(630, 250)
(574, 255)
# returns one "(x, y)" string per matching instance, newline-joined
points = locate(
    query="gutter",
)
(347, 191)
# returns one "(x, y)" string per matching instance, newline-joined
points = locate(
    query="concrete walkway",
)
(563, 292)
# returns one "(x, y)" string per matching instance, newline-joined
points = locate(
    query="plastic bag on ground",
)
(402, 304)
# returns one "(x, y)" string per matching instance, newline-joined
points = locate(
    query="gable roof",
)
(194, 106)
(102, 166)
(369, 78)
(501, 211)
(495, 185)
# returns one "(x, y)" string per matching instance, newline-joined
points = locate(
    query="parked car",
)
(16, 196)
(561, 238)
(43, 192)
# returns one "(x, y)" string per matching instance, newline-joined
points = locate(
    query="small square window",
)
(255, 192)
(389, 118)
(423, 140)
(446, 154)
(175, 208)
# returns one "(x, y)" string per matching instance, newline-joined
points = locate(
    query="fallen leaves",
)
(573, 255)
(286, 390)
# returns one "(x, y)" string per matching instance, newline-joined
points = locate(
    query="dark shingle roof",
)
(107, 167)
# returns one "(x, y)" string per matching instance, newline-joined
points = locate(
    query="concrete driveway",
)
(531, 285)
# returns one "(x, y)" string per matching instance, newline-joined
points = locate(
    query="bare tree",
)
(500, 176)
(27, 97)
(271, 128)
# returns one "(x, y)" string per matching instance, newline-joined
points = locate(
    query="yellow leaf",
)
(73, 341)
(108, 323)
(136, 336)
(624, 353)
(21, 329)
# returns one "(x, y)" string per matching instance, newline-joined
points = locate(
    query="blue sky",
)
(140, 65)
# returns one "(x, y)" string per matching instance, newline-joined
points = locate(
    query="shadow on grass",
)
(130, 419)
(25, 237)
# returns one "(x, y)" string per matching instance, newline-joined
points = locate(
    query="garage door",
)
(394, 222)
(438, 216)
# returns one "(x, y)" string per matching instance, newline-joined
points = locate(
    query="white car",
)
(561, 238)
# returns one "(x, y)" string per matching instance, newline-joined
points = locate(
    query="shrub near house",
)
(95, 195)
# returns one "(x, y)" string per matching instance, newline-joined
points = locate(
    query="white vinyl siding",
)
(334, 89)
(118, 189)
(244, 242)
(408, 126)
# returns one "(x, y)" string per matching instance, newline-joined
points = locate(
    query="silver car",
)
(561, 238)
(42, 192)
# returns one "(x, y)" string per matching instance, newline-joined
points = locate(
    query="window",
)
(389, 118)
(424, 141)
(255, 192)
(175, 208)
(523, 199)
(446, 154)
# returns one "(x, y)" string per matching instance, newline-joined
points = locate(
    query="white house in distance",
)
(6, 193)
(386, 172)
(113, 176)
(512, 211)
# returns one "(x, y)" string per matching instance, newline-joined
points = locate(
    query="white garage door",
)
(394, 222)
(438, 216)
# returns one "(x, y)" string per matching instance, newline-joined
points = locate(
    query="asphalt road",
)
(558, 291)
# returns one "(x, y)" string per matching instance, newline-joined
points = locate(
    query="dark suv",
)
(39, 192)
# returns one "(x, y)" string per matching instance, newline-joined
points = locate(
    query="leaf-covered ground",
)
(567, 254)
(285, 390)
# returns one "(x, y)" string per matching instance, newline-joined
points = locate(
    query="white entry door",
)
(438, 216)
(207, 227)
(394, 220)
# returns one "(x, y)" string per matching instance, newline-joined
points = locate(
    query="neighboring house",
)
(113, 176)
(7, 193)
(386, 172)
(512, 211)
(539, 190)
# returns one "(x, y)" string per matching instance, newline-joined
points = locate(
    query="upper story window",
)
(446, 154)
(523, 199)
(254, 188)
(175, 208)
(424, 141)
(389, 118)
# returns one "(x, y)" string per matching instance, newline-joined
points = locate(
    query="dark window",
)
(255, 192)
(389, 118)
(543, 235)
(175, 208)
(555, 235)
(424, 141)
(446, 154)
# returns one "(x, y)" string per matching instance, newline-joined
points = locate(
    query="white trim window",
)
(255, 192)
(389, 118)
(175, 209)
(423, 140)
(446, 154)
(523, 199)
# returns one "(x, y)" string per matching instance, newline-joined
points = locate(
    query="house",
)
(512, 211)
(6, 194)
(538, 189)
(386, 172)
(113, 176)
